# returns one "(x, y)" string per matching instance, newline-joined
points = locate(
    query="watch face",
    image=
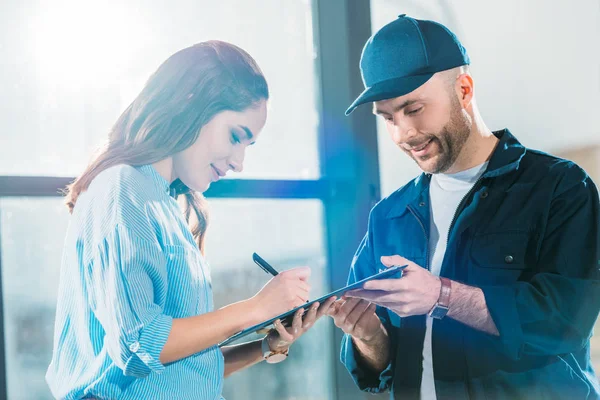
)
(439, 312)
(275, 358)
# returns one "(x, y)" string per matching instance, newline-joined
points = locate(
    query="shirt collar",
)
(149, 171)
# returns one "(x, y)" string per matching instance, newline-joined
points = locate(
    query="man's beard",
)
(450, 142)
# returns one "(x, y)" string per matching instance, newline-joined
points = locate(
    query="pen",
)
(264, 265)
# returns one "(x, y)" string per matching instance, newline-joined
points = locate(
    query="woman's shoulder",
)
(118, 177)
(125, 183)
(120, 195)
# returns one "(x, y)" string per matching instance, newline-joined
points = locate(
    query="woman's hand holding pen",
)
(294, 287)
(287, 290)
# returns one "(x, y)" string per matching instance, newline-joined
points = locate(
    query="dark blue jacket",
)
(528, 235)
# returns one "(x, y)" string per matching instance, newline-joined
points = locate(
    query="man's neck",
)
(477, 150)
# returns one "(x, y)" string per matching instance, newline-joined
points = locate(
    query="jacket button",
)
(509, 259)
(422, 204)
(484, 194)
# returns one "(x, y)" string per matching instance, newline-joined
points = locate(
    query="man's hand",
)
(414, 294)
(357, 318)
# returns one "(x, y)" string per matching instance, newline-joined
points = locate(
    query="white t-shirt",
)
(446, 192)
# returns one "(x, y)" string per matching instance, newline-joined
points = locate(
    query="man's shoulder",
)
(560, 172)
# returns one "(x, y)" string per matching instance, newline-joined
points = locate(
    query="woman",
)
(135, 317)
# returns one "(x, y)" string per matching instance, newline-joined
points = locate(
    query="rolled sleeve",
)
(502, 307)
(365, 379)
(548, 316)
(127, 287)
(145, 352)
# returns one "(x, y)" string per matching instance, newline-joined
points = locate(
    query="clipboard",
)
(287, 317)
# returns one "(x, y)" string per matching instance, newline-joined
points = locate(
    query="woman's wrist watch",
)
(270, 356)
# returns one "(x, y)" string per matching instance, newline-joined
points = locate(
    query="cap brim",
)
(389, 89)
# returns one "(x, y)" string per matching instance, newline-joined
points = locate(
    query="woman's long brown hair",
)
(184, 94)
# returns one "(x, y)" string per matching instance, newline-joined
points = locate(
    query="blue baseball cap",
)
(405, 54)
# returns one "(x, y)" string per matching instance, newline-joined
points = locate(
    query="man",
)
(502, 243)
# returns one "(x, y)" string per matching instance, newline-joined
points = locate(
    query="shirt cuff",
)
(502, 306)
(145, 357)
(366, 380)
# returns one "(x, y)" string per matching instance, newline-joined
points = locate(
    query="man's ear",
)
(464, 88)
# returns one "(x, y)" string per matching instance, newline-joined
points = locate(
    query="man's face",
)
(429, 124)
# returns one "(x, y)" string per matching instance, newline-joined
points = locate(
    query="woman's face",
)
(220, 147)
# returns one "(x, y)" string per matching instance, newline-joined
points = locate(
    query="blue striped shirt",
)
(130, 265)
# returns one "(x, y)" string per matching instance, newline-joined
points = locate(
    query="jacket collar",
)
(506, 158)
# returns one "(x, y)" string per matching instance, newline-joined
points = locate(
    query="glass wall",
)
(69, 68)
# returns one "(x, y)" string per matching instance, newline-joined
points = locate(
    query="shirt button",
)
(422, 204)
(134, 347)
(484, 194)
(509, 259)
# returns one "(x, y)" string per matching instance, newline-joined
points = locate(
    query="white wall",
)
(536, 66)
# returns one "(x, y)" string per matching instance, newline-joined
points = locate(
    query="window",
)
(66, 78)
